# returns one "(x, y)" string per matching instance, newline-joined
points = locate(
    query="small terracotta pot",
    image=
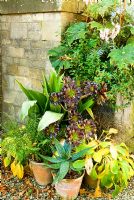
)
(68, 189)
(90, 182)
(41, 173)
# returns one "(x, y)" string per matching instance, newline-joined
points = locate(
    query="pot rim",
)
(68, 179)
(36, 163)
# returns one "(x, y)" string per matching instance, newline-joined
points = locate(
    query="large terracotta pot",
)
(68, 189)
(41, 173)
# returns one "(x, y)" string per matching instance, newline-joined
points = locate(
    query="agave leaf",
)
(51, 159)
(25, 108)
(60, 149)
(48, 118)
(80, 154)
(53, 166)
(64, 168)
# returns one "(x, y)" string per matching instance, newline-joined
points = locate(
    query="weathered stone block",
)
(34, 26)
(34, 35)
(51, 30)
(16, 52)
(18, 31)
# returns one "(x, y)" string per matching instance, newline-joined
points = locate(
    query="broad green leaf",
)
(105, 144)
(35, 95)
(7, 161)
(97, 25)
(64, 168)
(114, 167)
(99, 154)
(116, 191)
(107, 180)
(113, 151)
(93, 174)
(25, 108)
(122, 150)
(79, 164)
(48, 118)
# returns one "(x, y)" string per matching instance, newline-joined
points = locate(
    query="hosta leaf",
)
(79, 164)
(88, 165)
(97, 25)
(112, 131)
(49, 118)
(7, 161)
(113, 151)
(93, 174)
(107, 180)
(62, 172)
(19, 170)
(116, 191)
(114, 166)
(53, 166)
(25, 108)
(122, 150)
(105, 144)
(13, 168)
(99, 154)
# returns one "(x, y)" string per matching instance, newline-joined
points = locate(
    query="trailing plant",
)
(100, 50)
(112, 164)
(65, 160)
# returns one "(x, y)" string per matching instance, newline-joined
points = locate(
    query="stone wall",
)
(26, 39)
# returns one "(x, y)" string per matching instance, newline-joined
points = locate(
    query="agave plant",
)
(65, 160)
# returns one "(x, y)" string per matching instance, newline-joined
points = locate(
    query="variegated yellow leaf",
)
(19, 171)
(113, 151)
(88, 164)
(112, 131)
(13, 168)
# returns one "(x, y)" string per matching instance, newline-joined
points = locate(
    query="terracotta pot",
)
(68, 189)
(90, 182)
(41, 173)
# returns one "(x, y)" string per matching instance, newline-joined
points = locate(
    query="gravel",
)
(27, 189)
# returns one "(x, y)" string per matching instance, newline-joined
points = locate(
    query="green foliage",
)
(49, 118)
(65, 160)
(101, 50)
(113, 165)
